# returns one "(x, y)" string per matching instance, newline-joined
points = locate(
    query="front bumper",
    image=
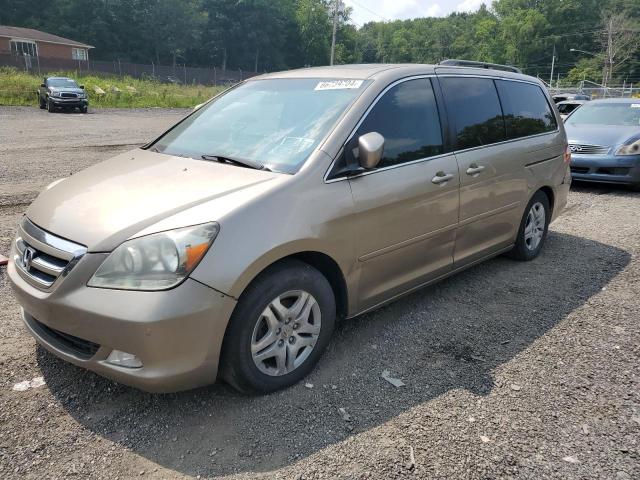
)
(606, 168)
(69, 102)
(177, 333)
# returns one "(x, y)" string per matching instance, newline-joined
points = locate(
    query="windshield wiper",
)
(244, 162)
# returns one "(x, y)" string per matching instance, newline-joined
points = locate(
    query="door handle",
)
(474, 169)
(442, 177)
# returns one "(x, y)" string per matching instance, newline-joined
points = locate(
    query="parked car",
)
(562, 97)
(62, 93)
(604, 138)
(229, 245)
(568, 106)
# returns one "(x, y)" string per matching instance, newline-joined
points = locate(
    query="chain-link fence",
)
(162, 73)
(595, 90)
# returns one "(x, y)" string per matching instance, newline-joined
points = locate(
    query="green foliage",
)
(19, 88)
(586, 69)
(281, 34)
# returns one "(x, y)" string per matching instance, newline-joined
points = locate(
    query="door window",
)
(474, 109)
(407, 117)
(526, 110)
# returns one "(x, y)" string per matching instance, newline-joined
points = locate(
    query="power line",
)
(368, 9)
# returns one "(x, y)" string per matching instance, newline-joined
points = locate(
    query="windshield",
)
(276, 123)
(620, 114)
(62, 83)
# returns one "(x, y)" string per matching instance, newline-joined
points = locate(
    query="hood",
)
(605, 135)
(66, 89)
(104, 205)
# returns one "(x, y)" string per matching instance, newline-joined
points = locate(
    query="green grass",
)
(19, 88)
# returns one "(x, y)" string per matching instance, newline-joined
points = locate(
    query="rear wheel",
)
(279, 329)
(533, 228)
(42, 103)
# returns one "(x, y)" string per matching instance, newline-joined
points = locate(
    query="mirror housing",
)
(82, 87)
(370, 150)
(43, 85)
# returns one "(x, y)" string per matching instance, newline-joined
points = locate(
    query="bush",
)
(19, 88)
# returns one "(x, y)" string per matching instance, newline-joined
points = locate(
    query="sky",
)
(376, 10)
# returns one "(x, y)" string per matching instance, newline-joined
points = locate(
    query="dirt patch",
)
(519, 370)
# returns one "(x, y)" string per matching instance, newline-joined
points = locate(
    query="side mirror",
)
(370, 150)
(43, 85)
(82, 87)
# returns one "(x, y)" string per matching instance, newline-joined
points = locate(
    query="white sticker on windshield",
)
(338, 84)
(635, 105)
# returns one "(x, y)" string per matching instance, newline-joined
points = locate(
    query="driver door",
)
(407, 207)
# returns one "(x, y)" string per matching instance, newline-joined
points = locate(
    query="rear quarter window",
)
(526, 109)
(474, 111)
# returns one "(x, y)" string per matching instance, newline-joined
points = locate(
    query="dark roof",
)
(37, 35)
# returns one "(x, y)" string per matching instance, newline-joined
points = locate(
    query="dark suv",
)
(62, 92)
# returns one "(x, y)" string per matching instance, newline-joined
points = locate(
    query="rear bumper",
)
(177, 334)
(606, 169)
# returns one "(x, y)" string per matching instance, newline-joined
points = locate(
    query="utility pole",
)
(335, 28)
(608, 61)
(553, 64)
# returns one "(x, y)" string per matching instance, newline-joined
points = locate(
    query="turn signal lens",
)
(567, 154)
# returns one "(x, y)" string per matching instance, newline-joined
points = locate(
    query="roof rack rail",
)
(472, 63)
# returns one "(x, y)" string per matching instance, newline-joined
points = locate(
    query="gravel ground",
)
(511, 370)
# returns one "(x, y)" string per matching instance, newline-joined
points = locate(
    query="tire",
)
(255, 324)
(84, 109)
(42, 104)
(50, 107)
(528, 247)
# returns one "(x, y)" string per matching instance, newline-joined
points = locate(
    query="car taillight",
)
(567, 154)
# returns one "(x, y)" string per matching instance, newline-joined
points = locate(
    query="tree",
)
(620, 42)
(315, 27)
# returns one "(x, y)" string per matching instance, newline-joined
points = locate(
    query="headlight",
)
(155, 262)
(54, 94)
(630, 148)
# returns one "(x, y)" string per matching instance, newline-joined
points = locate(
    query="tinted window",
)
(407, 117)
(567, 108)
(526, 110)
(474, 110)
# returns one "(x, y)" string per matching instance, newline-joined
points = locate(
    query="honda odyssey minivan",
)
(228, 247)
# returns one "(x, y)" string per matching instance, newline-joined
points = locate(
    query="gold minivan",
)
(229, 246)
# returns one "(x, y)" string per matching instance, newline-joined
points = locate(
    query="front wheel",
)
(279, 329)
(50, 106)
(533, 228)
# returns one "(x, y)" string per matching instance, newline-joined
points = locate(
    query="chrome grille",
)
(68, 95)
(43, 259)
(583, 149)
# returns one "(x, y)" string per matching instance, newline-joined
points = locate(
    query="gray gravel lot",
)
(512, 370)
